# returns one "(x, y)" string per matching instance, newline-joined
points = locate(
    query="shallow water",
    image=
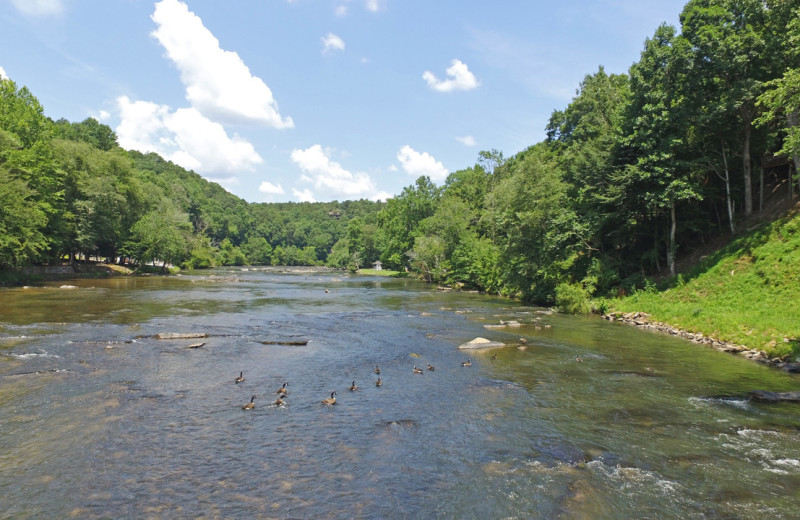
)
(98, 419)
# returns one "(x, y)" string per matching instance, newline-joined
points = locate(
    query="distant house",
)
(377, 265)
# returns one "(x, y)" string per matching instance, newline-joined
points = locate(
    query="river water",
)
(99, 419)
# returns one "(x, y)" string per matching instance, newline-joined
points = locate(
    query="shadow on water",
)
(572, 418)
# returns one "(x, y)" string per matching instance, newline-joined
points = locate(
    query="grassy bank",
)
(747, 293)
(376, 272)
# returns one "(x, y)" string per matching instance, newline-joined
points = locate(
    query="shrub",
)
(572, 298)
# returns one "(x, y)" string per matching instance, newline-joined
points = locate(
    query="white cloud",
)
(303, 196)
(39, 7)
(381, 196)
(268, 188)
(467, 140)
(218, 83)
(3, 74)
(374, 5)
(185, 137)
(418, 164)
(331, 43)
(330, 175)
(460, 78)
(340, 11)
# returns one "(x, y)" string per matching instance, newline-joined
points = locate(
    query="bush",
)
(572, 298)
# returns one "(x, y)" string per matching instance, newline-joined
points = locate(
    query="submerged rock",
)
(774, 397)
(479, 343)
(180, 335)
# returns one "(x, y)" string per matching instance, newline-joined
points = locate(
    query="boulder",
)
(774, 397)
(479, 343)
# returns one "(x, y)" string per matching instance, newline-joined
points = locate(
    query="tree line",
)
(636, 170)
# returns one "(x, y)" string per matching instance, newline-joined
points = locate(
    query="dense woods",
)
(636, 171)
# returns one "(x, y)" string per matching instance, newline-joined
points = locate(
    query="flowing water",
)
(99, 419)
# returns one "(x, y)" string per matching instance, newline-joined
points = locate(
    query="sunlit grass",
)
(747, 293)
(378, 272)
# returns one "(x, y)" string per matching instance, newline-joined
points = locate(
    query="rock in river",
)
(479, 343)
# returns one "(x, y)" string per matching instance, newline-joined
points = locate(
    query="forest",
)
(639, 170)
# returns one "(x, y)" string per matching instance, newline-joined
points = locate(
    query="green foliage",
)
(572, 298)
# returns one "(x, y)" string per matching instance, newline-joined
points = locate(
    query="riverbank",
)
(743, 295)
(643, 320)
(48, 273)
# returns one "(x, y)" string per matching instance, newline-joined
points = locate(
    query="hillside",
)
(745, 293)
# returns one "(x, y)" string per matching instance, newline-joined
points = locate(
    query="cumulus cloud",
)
(340, 11)
(185, 137)
(330, 175)
(374, 5)
(303, 196)
(418, 164)
(3, 74)
(467, 140)
(39, 7)
(331, 43)
(459, 78)
(218, 83)
(267, 188)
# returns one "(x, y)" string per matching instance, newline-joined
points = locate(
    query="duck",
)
(282, 390)
(417, 370)
(331, 400)
(379, 382)
(431, 367)
(250, 405)
(279, 401)
(240, 378)
(467, 363)
(377, 369)
(353, 387)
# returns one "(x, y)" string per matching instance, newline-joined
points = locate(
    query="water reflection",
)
(100, 419)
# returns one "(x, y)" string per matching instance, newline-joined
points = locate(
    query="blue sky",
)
(319, 100)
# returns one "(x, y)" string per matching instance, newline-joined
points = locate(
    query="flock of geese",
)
(282, 392)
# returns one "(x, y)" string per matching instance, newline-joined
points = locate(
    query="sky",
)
(319, 100)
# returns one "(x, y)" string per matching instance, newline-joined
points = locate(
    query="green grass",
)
(747, 293)
(375, 272)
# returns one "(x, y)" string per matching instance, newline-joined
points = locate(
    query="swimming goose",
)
(279, 401)
(240, 378)
(467, 363)
(431, 367)
(377, 369)
(250, 405)
(282, 390)
(331, 400)
(353, 387)
(417, 370)
(379, 382)
(578, 359)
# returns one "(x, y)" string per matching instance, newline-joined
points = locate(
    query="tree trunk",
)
(747, 170)
(760, 189)
(727, 180)
(672, 247)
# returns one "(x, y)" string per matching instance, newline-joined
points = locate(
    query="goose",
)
(523, 340)
(353, 387)
(417, 370)
(494, 357)
(282, 390)
(377, 369)
(279, 401)
(578, 359)
(250, 405)
(467, 363)
(379, 382)
(431, 367)
(240, 378)
(331, 400)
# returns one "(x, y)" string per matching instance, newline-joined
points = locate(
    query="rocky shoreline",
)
(642, 320)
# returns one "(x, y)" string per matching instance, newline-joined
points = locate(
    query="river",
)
(99, 419)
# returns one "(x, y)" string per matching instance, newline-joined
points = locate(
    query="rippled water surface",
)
(99, 419)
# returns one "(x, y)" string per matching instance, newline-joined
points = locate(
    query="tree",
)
(729, 46)
(163, 234)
